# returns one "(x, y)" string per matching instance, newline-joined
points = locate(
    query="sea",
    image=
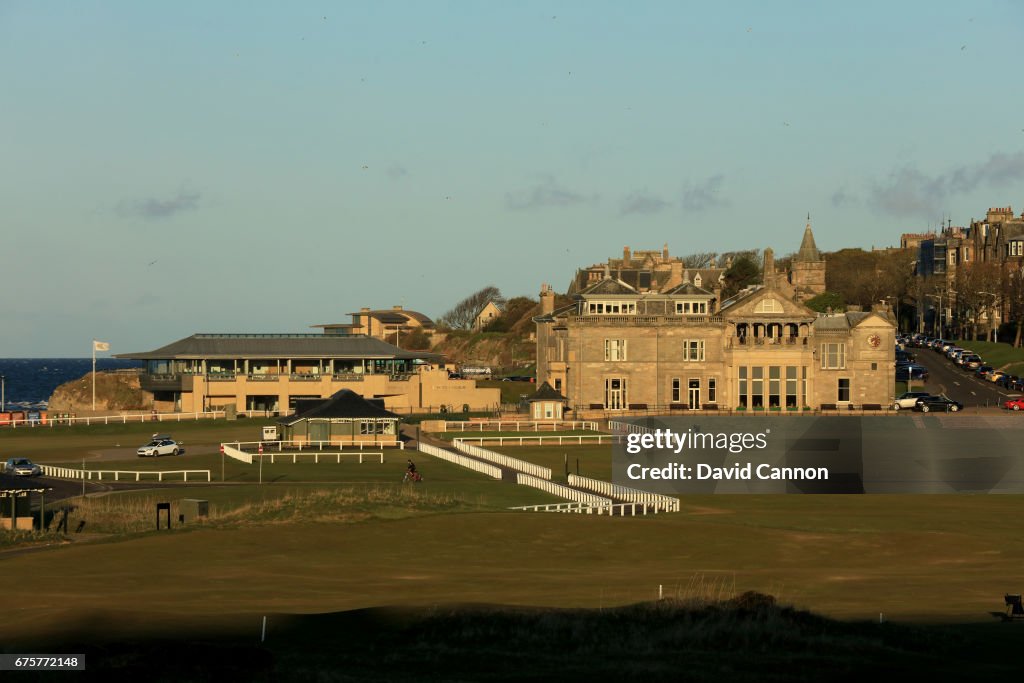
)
(29, 382)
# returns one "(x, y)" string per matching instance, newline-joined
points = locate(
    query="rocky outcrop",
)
(118, 390)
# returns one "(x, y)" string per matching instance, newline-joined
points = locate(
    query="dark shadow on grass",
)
(749, 638)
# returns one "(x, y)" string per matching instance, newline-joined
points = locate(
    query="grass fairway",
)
(590, 461)
(911, 557)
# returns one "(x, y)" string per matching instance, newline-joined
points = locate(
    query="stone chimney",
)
(664, 252)
(675, 275)
(769, 268)
(717, 291)
(396, 308)
(625, 256)
(547, 299)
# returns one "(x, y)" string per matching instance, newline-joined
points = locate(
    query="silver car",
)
(22, 467)
(158, 447)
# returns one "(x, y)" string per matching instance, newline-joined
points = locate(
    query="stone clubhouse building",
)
(276, 372)
(672, 343)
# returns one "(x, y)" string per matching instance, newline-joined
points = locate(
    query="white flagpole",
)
(94, 375)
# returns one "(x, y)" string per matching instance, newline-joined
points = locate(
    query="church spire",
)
(808, 249)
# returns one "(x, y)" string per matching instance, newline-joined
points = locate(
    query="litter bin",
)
(193, 508)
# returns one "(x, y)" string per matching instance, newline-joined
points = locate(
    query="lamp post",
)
(3, 393)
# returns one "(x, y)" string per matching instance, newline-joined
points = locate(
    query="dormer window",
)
(697, 280)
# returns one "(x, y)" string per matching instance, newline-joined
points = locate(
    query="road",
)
(959, 385)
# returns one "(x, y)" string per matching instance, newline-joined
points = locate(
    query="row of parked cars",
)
(967, 360)
(924, 402)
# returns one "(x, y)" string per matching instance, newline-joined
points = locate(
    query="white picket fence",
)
(520, 426)
(57, 419)
(563, 491)
(300, 446)
(316, 455)
(118, 475)
(539, 440)
(628, 428)
(503, 460)
(658, 501)
(461, 460)
(578, 508)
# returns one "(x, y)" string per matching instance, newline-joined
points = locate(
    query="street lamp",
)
(3, 393)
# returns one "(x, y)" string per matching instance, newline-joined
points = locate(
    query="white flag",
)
(100, 346)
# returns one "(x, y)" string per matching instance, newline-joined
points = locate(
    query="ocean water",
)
(30, 381)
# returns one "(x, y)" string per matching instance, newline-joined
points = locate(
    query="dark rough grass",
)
(746, 639)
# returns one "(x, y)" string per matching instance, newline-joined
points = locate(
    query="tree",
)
(825, 301)
(698, 260)
(513, 311)
(414, 339)
(461, 316)
(743, 273)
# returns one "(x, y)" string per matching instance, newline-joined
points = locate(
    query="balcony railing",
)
(304, 377)
(646, 320)
(764, 342)
(262, 378)
(347, 377)
(220, 377)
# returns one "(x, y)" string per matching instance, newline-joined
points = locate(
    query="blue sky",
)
(173, 168)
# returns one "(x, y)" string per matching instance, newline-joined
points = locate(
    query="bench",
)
(638, 406)
(829, 406)
(871, 406)
(709, 406)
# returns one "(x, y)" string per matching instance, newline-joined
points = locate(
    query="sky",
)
(174, 168)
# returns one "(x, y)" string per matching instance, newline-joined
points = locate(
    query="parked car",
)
(1014, 403)
(908, 399)
(930, 404)
(983, 371)
(22, 467)
(971, 362)
(995, 376)
(160, 446)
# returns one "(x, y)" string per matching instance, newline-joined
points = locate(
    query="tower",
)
(807, 274)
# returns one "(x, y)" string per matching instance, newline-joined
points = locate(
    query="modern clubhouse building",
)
(665, 340)
(273, 372)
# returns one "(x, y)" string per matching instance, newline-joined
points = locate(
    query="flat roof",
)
(256, 345)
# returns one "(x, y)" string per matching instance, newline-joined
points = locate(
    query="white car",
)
(908, 399)
(158, 447)
(22, 467)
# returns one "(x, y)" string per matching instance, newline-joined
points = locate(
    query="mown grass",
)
(588, 460)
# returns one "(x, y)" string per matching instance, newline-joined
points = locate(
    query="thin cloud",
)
(909, 192)
(842, 198)
(704, 195)
(160, 208)
(642, 203)
(396, 171)
(547, 193)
